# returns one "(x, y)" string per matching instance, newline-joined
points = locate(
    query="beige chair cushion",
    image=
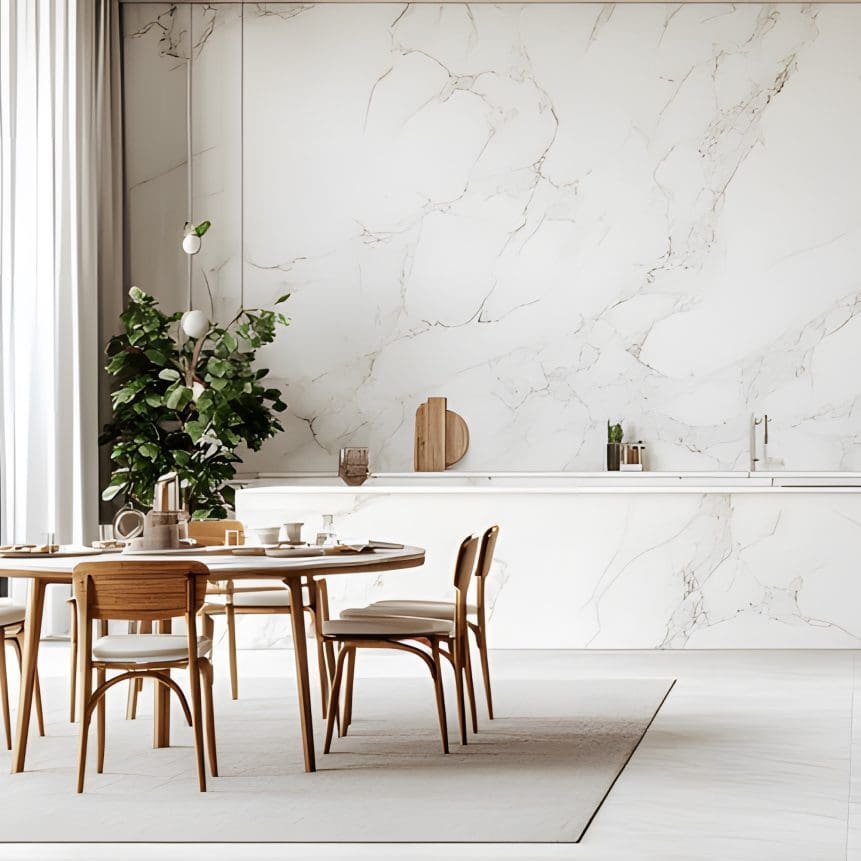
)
(11, 614)
(269, 598)
(386, 627)
(147, 648)
(414, 609)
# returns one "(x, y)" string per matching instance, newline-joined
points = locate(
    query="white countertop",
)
(558, 482)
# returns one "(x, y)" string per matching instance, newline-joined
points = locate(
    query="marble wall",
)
(552, 214)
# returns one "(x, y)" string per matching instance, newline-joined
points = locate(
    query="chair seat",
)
(383, 628)
(11, 614)
(267, 598)
(413, 609)
(147, 648)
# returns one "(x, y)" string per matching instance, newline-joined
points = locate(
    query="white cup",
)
(293, 531)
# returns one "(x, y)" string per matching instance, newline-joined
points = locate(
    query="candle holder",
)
(353, 465)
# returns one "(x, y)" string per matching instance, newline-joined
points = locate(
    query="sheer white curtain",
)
(60, 233)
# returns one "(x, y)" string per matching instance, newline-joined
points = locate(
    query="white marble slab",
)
(552, 214)
(610, 570)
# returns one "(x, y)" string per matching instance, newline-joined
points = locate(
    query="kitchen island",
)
(606, 560)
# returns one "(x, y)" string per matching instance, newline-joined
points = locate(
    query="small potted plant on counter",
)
(614, 446)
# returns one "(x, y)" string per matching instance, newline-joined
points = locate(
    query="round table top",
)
(225, 566)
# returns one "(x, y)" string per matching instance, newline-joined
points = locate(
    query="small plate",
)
(170, 551)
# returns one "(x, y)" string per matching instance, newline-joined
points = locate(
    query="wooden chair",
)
(447, 610)
(143, 592)
(208, 533)
(377, 632)
(12, 632)
(252, 597)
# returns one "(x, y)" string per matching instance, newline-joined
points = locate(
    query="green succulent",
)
(183, 405)
(614, 432)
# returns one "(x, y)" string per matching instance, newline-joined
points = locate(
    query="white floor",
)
(754, 755)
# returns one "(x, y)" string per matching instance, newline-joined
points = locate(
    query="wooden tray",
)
(57, 554)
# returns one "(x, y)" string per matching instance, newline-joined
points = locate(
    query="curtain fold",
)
(60, 257)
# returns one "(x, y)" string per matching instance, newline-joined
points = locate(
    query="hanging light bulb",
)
(192, 234)
(190, 241)
(195, 324)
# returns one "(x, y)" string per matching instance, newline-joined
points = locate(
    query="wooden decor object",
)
(442, 437)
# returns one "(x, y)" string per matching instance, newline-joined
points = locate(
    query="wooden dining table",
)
(294, 572)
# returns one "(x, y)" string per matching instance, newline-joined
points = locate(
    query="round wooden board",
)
(456, 438)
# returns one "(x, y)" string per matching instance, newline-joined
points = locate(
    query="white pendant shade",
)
(195, 323)
(191, 243)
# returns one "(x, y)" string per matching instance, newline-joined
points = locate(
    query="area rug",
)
(537, 773)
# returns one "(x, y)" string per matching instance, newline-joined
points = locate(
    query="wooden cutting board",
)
(442, 437)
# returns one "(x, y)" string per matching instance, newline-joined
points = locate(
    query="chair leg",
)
(18, 645)
(82, 749)
(455, 649)
(323, 613)
(470, 685)
(440, 696)
(348, 691)
(4, 691)
(135, 687)
(230, 615)
(334, 696)
(197, 721)
(485, 669)
(73, 661)
(37, 695)
(321, 660)
(323, 670)
(100, 723)
(207, 680)
(85, 682)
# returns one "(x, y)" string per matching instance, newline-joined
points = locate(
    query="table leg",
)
(161, 702)
(303, 683)
(32, 631)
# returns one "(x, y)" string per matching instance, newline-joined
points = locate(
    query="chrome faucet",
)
(754, 460)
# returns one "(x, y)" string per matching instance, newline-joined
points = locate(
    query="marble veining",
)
(553, 215)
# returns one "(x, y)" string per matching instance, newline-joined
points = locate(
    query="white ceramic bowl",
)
(263, 534)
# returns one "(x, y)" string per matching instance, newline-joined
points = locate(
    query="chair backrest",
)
(211, 533)
(483, 566)
(464, 568)
(140, 591)
(485, 554)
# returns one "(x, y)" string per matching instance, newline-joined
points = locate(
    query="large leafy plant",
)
(184, 405)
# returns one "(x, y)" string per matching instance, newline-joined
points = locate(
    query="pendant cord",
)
(188, 150)
(242, 156)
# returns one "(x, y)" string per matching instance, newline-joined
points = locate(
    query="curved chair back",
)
(482, 568)
(140, 591)
(464, 568)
